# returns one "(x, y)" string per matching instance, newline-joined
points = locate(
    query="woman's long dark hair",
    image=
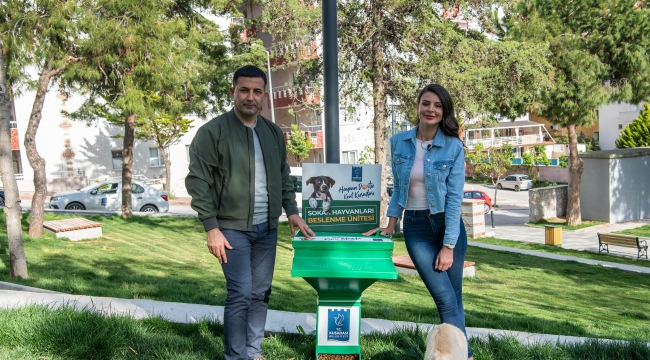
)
(449, 123)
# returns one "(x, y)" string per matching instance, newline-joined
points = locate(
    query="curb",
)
(16, 287)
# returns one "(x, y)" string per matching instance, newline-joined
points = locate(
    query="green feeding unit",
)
(340, 263)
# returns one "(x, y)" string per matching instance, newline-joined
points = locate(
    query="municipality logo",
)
(338, 325)
(357, 173)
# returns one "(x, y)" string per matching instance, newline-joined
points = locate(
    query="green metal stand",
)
(340, 266)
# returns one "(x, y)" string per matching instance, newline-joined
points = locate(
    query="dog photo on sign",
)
(322, 185)
(446, 342)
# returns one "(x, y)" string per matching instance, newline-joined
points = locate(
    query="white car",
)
(107, 196)
(516, 182)
(296, 177)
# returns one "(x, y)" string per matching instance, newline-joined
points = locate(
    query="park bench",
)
(604, 240)
(74, 229)
(404, 265)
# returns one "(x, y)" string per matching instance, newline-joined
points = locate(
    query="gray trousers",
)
(249, 272)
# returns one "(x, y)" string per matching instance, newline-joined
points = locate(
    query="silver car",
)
(516, 182)
(107, 196)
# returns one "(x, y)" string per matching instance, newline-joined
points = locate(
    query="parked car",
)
(479, 195)
(2, 198)
(296, 177)
(516, 182)
(107, 195)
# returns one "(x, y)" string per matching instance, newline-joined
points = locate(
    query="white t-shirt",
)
(417, 199)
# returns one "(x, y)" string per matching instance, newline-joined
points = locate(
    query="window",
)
(596, 136)
(110, 188)
(297, 183)
(349, 157)
(155, 157)
(347, 116)
(136, 189)
(620, 126)
(117, 157)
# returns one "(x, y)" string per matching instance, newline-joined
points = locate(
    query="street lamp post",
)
(268, 68)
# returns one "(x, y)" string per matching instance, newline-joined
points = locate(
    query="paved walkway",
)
(585, 239)
(277, 321)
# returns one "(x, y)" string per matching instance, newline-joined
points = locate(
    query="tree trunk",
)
(573, 216)
(35, 160)
(168, 171)
(17, 261)
(495, 190)
(127, 166)
(379, 105)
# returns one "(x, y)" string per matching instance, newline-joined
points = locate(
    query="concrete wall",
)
(547, 203)
(594, 190)
(615, 186)
(629, 184)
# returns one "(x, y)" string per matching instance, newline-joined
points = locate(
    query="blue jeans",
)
(423, 234)
(249, 272)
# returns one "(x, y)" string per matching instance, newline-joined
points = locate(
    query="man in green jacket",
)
(239, 182)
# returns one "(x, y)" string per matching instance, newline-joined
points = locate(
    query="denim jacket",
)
(444, 169)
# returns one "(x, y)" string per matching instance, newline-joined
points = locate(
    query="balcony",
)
(284, 96)
(15, 141)
(286, 53)
(314, 133)
(246, 32)
(512, 140)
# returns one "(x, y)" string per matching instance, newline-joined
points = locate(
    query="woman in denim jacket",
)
(428, 176)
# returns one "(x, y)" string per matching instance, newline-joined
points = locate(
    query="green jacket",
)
(221, 177)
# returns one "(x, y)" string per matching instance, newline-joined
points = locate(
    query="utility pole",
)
(331, 82)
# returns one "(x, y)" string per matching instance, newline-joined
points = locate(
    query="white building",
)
(613, 119)
(77, 154)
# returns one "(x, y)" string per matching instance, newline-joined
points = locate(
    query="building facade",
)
(613, 119)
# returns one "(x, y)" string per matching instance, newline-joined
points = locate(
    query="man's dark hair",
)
(449, 123)
(248, 71)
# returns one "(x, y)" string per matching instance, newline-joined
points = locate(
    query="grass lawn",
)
(643, 231)
(561, 251)
(562, 223)
(165, 258)
(69, 334)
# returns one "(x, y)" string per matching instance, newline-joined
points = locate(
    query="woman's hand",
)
(445, 259)
(384, 231)
(387, 231)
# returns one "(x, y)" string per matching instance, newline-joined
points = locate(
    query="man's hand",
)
(217, 244)
(445, 259)
(296, 221)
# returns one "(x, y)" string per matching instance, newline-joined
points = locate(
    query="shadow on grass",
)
(126, 273)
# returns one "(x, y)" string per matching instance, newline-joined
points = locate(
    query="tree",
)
(166, 130)
(493, 163)
(299, 144)
(391, 49)
(17, 261)
(367, 155)
(540, 157)
(636, 134)
(598, 54)
(136, 50)
(42, 35)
